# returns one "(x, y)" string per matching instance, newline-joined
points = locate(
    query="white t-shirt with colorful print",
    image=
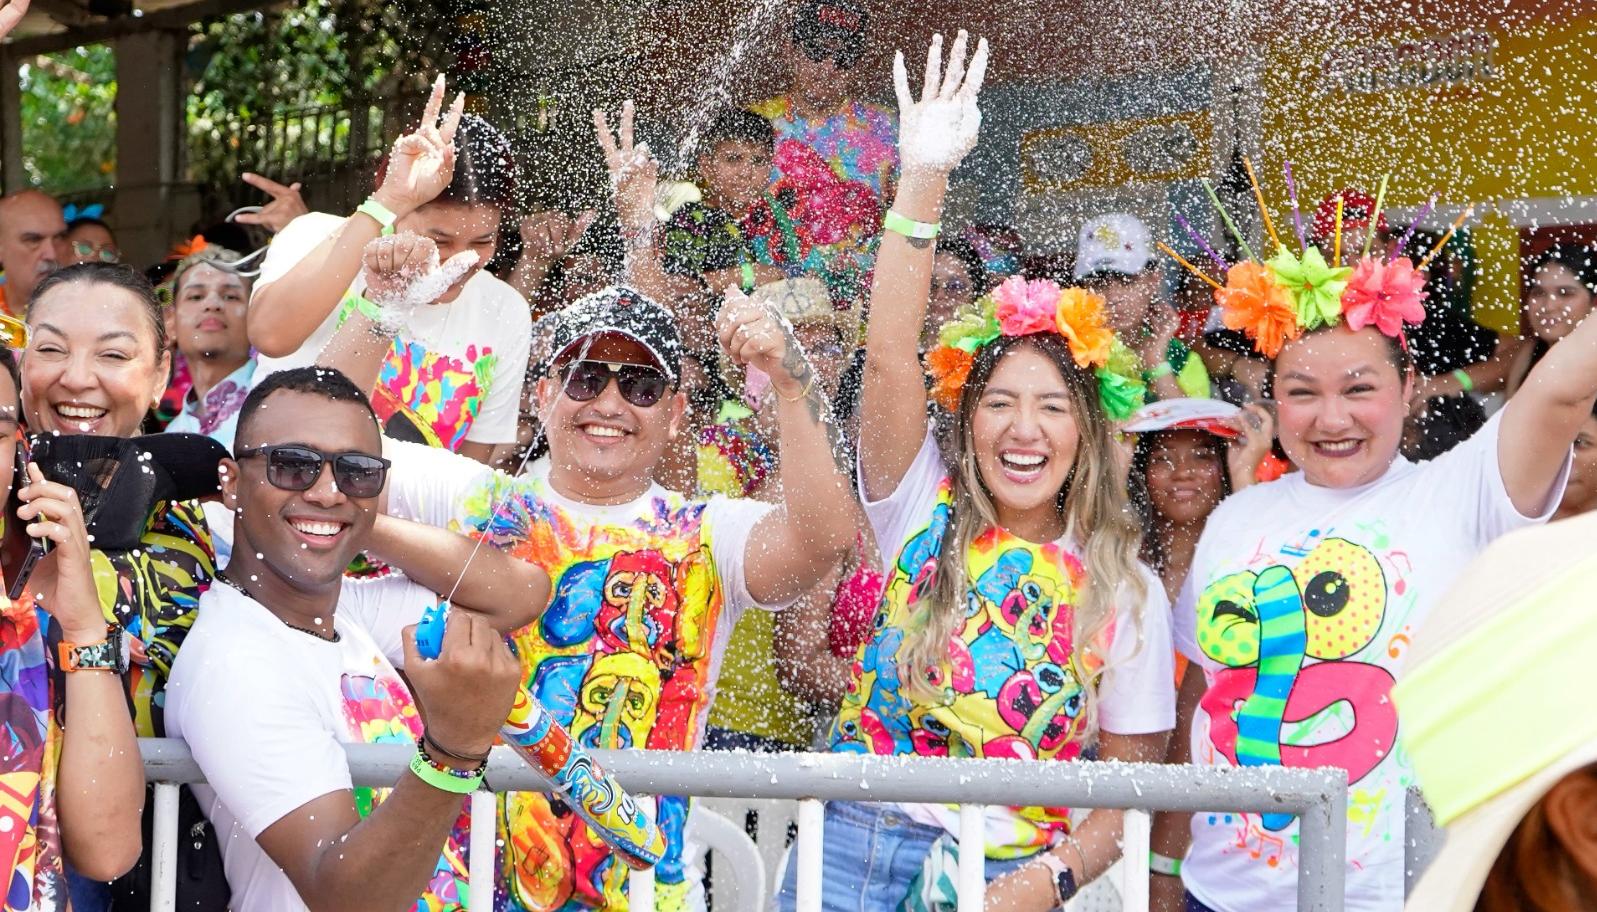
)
(626, 655)
(1013, 685)
(1299, 606)
(264, 708)
(455, 375)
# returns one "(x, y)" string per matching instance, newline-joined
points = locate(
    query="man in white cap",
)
(1494, 723)
(1114, 257)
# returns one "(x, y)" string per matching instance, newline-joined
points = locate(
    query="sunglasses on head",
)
(640, 384)
(105, 254)
(295, 467)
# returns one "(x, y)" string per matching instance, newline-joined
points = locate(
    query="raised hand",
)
(467, 692)
(422, 163)
(549, 234)
(1255, 427)
(11, 14)
(402, 273)
(286, 204)
(634, 173)
(63, 580)
(754, 335)
(936, 132)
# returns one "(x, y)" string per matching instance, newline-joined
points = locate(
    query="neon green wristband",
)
(443, 779)
(379, 213)
(748, 276)
(1463, 380)
(1162, 369)
(1164, 864)
(354, 303)
(908, 227)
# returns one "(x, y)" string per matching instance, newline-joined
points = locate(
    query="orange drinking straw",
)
(1190, 268)
(1446, 237)
(1258, 195)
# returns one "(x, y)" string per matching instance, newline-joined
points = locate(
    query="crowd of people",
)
(769, 458)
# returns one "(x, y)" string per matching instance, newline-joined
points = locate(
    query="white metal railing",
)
(1317, 797)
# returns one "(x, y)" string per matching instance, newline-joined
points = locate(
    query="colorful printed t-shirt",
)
(626, 655)
(832, 176)
(1013, 681)
(219, 417)
(1300, 605)
(455, 375)
(265, 707)
(32, 691)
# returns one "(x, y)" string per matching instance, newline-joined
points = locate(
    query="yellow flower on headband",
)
(1081, 322)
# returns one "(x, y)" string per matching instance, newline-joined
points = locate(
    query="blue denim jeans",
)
(869, 857)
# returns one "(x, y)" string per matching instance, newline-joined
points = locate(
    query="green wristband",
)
(1162, 369)
(908, 227)
(354, 303)
(1164, 864)
(382, 215)
(748, 276)
(1463, 380)
(445, 780)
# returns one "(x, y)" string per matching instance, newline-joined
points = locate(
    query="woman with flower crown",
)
(1017, 621)
(1304, 593)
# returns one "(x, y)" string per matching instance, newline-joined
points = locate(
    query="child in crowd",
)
(714, 238)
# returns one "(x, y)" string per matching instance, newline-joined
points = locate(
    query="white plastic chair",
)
(738, 877)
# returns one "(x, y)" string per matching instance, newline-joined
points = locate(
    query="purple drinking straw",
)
(1297, 216)
(1416, 223)
(1219, 261)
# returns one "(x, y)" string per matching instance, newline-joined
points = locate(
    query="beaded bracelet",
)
(443, 777)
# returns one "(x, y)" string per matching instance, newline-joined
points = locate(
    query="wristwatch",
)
(111, 654)
(1064, 878)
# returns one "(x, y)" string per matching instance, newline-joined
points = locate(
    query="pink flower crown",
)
(1022, 307)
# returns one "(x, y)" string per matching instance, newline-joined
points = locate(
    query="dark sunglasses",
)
(841, 55)
(293, 467)
(640, 384)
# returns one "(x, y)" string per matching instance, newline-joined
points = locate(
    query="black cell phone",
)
(40, 546)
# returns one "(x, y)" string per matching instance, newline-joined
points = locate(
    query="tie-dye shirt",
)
(1012, 683)
(265, 708)
(832, 178)
(626, 655)
(454, 375)
(1299, 606)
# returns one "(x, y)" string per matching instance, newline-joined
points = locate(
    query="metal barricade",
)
(1317, 797)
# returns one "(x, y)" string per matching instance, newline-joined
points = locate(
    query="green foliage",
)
(69, 120)
(264, 89)
(268, 85)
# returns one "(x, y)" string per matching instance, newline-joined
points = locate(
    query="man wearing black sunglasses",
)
(287, 659)
(648, 582)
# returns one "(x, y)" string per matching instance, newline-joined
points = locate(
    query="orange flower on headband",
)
(949, 367)
(1081, 321)
(1252, 302)
(185, 249)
